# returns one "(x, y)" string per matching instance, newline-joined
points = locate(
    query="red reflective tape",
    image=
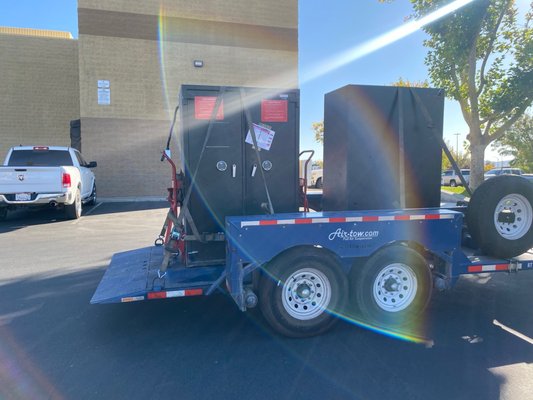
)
(194, 292)
(268, 222)
(370, 219)
(402, 217)
(337, 220)
(502, 267)
(432, 216)
(157, 295)
(303, 221)
(475, 268)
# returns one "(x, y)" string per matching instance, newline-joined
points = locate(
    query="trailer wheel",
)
(500, 216)
(301, 292)
(318, 183)
(393, 287)
(73, 211)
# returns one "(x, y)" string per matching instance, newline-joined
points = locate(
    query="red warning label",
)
(274, 110)
(204, 105)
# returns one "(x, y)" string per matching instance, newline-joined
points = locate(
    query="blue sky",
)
(326, 28)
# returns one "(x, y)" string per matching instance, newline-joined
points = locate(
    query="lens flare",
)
(380, 42)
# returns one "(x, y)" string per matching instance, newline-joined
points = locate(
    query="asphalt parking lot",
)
(55, 345)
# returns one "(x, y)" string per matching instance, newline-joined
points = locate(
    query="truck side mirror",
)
(92, 164)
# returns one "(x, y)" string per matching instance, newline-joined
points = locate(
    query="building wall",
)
(39, 87)
(146, 49)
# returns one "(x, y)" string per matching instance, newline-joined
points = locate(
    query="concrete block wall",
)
(39, 90)
(146, 49)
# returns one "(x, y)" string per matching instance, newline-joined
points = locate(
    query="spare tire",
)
(500, 216)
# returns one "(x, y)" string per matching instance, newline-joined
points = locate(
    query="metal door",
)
(215, 170)
(278, 115)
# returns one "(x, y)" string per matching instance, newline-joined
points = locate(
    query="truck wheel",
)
(453, 183)
(500, 216)
(318, 183)
(73, 211)
(3, 213)
(393, 287)
(93, 197)
(301, 292)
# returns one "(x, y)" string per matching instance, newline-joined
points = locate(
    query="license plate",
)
(22, 196)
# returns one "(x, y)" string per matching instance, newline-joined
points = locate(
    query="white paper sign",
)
(263, 136)
(104, 92)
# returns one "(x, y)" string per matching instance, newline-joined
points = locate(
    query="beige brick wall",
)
(282, 13)
(145, 75)
(39, 90)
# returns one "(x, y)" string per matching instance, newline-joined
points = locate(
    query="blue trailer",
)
(305, 269)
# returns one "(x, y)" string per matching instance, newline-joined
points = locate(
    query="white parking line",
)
(94, 208)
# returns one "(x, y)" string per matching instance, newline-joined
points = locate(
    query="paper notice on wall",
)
(263, 136)
(104, 92)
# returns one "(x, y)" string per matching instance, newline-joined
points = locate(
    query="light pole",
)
(457, 144)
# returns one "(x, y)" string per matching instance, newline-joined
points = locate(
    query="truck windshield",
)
(40, 158)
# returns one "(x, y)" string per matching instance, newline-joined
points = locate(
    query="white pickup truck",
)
(46, 176)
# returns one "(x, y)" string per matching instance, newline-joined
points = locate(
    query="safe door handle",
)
(254, 170)
(234, 170)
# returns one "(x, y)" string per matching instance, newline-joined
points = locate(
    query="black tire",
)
(93, 196)
(393, 288)
(318, 183)
(453, 183)
(3, 213)
(502, 234)
(301, 292)
(73, 211)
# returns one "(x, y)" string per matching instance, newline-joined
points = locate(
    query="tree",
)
(484, 60)
(318, 128)
(462, 158)
(518, 142)
(407, 83)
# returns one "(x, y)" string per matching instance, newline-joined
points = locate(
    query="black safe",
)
(228, 179)
(380, 150)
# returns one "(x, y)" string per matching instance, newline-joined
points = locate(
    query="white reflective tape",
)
(354, 219)
(130, 299)
(286, 221)
(417, 217)
(249, 223)
(386, 218)
(176, 293)
(446, 216)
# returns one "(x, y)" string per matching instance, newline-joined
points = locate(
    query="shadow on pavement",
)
(57, 345)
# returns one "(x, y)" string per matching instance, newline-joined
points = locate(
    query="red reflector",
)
(40, 148)
(502, 267)
(370, 219)
(402, 217)
(268, 222)
(433, 216)
(157, 295)
(66, 180)
(475, 268)
(193, 292)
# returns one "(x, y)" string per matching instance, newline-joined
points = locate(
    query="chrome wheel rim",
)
(306, 294)
(395, 287)
(520, 216)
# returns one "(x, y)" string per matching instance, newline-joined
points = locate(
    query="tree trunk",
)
(477, 164)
